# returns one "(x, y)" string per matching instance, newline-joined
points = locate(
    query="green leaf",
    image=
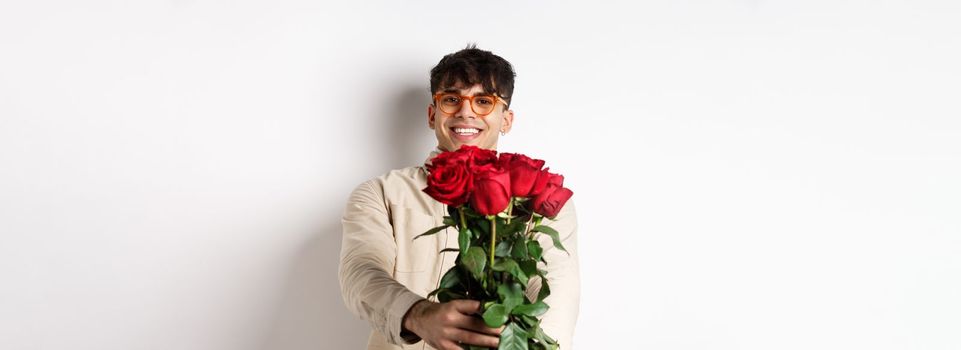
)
(482, 225)
(470, 213)
(535, 309)
(530, 321)
(495, 316)
(511, 295)
(529, 267)
(554, 236)
(432, 231)
(520, 249)
(463, 240)
(501, 233)
(510, 266)
(543, 339)
(549, 340)
(535, 250)
(545, 290)
(475, 261)
(503, 249)
(445, 295)
(450, 279)
(504, 264)
(513, 337)
(449, 221)
(517, 226)
(544, 229)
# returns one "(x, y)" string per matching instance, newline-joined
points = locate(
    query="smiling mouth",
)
(464, 134)
(465, 131)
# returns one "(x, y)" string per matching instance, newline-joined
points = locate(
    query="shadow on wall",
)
(312, 314)
(408, 138)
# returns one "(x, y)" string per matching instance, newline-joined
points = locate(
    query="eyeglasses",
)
(482, 105)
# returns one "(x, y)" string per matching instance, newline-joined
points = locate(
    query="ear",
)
(508, 121)
(430, 116)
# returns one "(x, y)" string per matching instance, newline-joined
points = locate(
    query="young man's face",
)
(475, 130)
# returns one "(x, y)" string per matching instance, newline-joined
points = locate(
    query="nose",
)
(465, 110)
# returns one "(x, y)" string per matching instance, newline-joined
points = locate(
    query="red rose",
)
(451, 173)
(467, 155)
(504, 160)
(492, 191)
(524, 172)
(449, 183)
(549, 202)
(545, 179)
(447, 159)
(477, 157)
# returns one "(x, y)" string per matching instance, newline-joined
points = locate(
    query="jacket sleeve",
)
(563, 278)
(367, 257)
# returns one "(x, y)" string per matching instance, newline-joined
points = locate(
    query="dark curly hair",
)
(474, 66)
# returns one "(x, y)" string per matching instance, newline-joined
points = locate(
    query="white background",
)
(749, 174)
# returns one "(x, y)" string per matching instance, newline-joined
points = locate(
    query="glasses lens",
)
(449, 103)
(483, 104)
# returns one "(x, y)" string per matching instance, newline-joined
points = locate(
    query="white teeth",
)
(466, 131)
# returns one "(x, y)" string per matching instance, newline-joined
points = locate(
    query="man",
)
(385, 274)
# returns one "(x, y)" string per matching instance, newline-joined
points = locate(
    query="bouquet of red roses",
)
(496, 203)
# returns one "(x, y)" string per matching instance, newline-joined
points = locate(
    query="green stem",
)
(463, 223)
(493, 237)
(527, 232)
(510, 208)
(536, 222)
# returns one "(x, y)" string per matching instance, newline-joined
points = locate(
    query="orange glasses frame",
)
(469, 99)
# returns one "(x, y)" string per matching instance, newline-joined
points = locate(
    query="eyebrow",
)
(457, 91)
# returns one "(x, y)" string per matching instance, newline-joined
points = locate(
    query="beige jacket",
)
(383, 271)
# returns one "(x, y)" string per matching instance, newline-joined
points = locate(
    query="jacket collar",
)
(433, 153)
